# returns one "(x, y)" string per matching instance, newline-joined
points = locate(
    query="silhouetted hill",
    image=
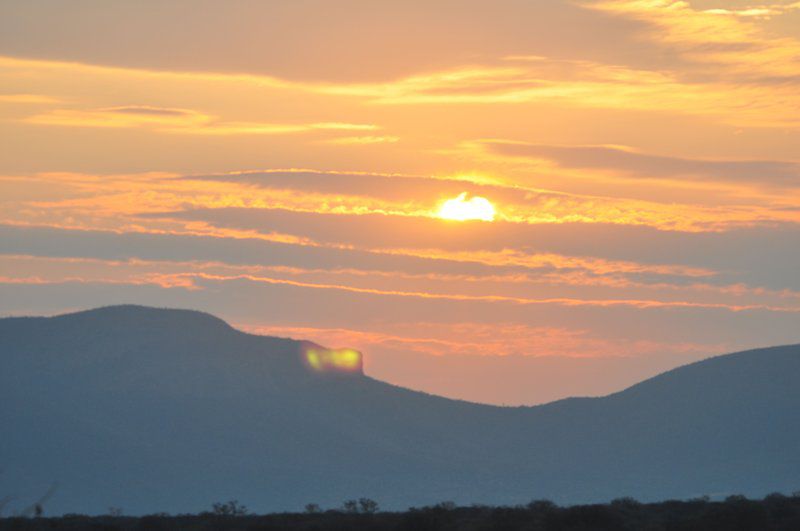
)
(171, 410)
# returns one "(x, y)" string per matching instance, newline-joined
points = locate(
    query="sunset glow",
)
(462, 209)
(480, 200)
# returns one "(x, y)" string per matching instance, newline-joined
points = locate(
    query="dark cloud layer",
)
(147, 111)
(643, 165)
(759, 254)
(245, 301)
(373, 40)
(385, 187)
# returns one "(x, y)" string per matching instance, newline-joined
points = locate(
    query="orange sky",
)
(282, 164)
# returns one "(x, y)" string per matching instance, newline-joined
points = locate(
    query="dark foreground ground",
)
(775, 512)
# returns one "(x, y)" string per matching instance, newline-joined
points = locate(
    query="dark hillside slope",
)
(171, 410)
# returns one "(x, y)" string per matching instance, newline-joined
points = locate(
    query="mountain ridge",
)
(182, 415)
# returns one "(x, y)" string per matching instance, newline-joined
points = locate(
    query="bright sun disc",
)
(461, 209)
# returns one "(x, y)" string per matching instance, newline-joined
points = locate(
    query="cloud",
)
(148, 111)
(179, 121)
(183, 260)
(501, 81)
(360, 140)
(377, 45)
(258, 128)
(36, 270)
(758, 254)
(631, 163)
(757, 11)
(345, 193)
(389, 187)
(28, 98)
(728, 43)
(123, 116)
(356, 209)
(243, 300)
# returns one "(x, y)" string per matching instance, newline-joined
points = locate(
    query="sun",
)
(461, 209)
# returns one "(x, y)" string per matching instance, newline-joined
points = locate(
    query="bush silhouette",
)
(736, 513)
(229, 508)
(367, 506)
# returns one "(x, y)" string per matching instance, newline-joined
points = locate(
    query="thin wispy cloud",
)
(35, 99)
(179, 121)
(636, 164)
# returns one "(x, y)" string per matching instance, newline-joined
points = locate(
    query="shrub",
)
(367, 506)
(229, 508)
(350, 506)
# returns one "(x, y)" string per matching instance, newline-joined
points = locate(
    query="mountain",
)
(171, 410)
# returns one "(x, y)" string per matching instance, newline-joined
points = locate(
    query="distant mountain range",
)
(171, 410)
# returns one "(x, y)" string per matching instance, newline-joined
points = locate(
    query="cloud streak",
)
(635, 164)
(179, 121)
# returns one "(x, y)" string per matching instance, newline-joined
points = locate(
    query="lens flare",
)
(328, 360)
(461, 209)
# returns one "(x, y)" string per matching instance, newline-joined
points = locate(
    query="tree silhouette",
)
(367, 506)
(229, 508)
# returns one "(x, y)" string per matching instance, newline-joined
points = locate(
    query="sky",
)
(284, 165)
